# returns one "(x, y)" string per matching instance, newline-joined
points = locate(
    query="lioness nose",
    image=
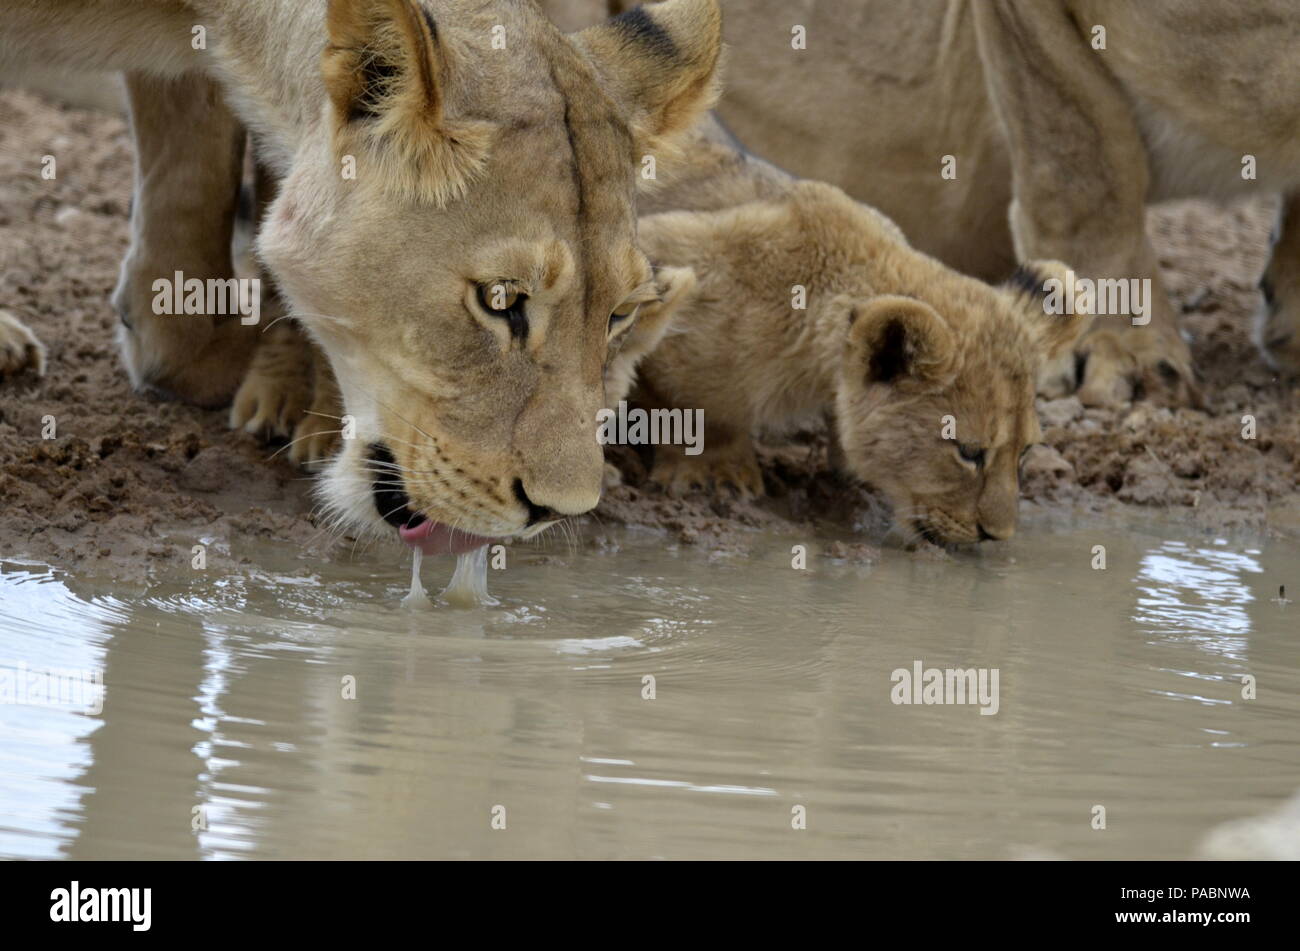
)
(997, 534)
(536, 513)
(547, 501)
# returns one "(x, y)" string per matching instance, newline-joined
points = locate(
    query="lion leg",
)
(289, 390)
(189, 159)
(1277, 324)
(1080, 179)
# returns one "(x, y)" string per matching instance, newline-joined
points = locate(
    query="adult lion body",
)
(1058, 145)
(432, 153)
(1072, 139)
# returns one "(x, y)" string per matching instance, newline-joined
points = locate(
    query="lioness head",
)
(462, 243)
(936, 408)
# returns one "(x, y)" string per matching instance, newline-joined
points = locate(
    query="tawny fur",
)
(1080, 138)
(473, 165)
(892, 341)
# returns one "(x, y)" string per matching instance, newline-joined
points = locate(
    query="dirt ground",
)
(129, 483)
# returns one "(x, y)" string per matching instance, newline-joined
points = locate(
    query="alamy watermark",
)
(922, 685)
(214, 297)
(75, 903)
(52, 687)
(651, 427)
(1106, 297)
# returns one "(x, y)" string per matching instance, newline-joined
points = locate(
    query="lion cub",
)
(808, 302)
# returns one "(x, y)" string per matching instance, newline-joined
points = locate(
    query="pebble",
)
(1059, 412)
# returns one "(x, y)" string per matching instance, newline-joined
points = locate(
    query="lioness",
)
(454, 225)
(808, 302)
(1062, 119)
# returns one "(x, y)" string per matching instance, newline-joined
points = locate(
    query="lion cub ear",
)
(1031, 288)
(385, 70)
(897, 340)
(661, 63)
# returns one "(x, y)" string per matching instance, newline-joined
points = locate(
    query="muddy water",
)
(228, 726)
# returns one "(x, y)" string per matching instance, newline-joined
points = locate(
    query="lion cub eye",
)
(501, 300)
(620, 314)
(972, 454)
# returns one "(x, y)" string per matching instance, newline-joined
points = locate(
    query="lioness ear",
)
(661, 62)
(385, 72)
(1032, 289)
(898, 339)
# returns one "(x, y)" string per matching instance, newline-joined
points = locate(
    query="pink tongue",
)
(434, 538)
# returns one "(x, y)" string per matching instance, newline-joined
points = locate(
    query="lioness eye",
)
(972, 454)
(501, 300)
(621, 314)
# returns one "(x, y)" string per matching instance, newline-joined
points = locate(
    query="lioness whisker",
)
(302, 315)
(292, 442)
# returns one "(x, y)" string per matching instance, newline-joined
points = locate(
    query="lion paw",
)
(277, 390)
(267, 405)
(314, 440)
(1119, 366)
(680, 474)
(19, 348)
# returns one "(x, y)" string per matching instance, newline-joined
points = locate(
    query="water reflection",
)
(44, 749)
(1199, 594)
(771, 691)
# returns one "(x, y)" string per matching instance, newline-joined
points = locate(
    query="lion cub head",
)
(936, 408)
(460, 238)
